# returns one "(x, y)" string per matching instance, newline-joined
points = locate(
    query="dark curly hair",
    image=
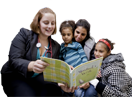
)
(85, 24)
(67, 24)
(111, 44)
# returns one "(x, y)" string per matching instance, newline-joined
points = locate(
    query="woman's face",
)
(80, 34)
(47, 24)
(100, 50)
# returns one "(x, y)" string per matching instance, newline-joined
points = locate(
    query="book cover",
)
(60, 72)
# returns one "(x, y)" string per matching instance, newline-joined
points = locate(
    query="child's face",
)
(101, 51)
(67, 35)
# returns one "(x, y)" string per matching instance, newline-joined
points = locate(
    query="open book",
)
(60, 72)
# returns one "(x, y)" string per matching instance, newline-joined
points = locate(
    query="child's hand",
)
(71, 67)
(99, 74)
(85, 85)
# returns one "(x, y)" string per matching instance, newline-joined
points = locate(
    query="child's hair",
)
(34, 25)
(108, 43)
(67, 24)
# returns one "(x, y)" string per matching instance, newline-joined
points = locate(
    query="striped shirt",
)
(73, 54)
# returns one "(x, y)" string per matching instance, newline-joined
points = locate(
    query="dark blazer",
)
(23, 50)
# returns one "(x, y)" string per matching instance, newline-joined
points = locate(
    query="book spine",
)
(71, 83)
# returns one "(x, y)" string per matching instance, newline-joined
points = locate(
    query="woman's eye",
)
(77, 32)
(53, 23)
(46, 23)
(83, 34)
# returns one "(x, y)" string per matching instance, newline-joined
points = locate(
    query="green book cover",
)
(59, 71)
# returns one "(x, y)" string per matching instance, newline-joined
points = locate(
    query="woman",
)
(22, 73)
(82, 35)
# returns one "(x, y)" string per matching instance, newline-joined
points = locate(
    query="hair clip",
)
(67, 22)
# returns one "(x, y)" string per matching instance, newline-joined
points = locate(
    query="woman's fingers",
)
(65, 88)
(39, 66)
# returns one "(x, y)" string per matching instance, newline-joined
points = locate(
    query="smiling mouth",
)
(77, 39)
(49, 30)
(96, 57)
(66, 40)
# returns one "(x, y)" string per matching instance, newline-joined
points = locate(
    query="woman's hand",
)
(37, 66)
(85, 86)
(65, 88)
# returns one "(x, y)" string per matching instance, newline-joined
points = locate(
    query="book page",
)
(86, 72)
(58, 71)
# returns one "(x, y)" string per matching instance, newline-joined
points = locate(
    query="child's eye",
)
(95, 50)
(101, 51)
(63, 34)
(68, 34)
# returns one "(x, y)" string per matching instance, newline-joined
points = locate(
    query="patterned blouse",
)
(118, 82)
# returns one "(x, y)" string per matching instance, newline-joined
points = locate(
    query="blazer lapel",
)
(34, 41)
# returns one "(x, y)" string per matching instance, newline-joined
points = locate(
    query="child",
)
(71, 51)
(115, 82)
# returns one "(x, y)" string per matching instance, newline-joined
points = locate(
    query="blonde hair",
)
(37, 18)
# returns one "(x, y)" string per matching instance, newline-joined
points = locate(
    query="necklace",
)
(38, 45)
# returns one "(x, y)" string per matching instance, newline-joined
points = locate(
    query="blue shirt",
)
(38, 57)
(73, 54)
